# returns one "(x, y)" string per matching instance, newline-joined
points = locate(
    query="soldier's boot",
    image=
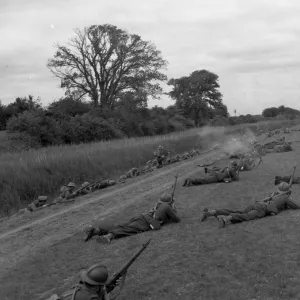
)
(208, 213)
(90, 231)
(105, 239)
(187, 182)
(224, 220)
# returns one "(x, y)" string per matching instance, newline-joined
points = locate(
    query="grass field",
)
(26, 175)
(189, 260)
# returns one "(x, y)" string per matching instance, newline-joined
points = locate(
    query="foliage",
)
(272, 112)
(67, 107)
(198, 94)
(20, 105)
(85, 128)
(103, 61)
(44, 130)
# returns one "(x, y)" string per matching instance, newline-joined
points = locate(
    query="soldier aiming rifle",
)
(94, 283)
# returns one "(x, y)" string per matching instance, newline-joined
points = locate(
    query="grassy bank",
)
(25, 175)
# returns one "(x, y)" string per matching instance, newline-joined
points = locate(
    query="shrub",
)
(37, 125)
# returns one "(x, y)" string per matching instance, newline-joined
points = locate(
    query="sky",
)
(252, 45)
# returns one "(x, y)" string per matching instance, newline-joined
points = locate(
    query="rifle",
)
(174, 186)
(112, 283)
(292, 177)
(90, 184)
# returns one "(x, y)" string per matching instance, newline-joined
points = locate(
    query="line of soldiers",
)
(162, 158)
(68, 193)
(93, 281)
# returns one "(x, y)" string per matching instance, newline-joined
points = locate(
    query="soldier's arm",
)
(106, 296)
(235, 176)
(172, 215)
(70, 196)
(291, 204)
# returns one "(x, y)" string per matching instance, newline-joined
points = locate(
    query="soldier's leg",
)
(201, 180)
(227, 212)
(218, 212)
(251, 213)
(134, 226)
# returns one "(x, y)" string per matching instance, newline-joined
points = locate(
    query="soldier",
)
(279, 179)
(104, 184)
(248, 163)
(67, 193)
(90, 287)
(163, 212)
(122, 178)
(131, 173)
(227, 175)
(286, 147)
(87, 188)
(161, 155)
(41, 200)
(273, 204)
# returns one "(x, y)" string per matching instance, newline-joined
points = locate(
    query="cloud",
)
(252, 45)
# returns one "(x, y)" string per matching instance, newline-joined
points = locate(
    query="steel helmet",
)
(165, 198)
(95, 275)
(283, 188)
(85, 184)
(71, 184)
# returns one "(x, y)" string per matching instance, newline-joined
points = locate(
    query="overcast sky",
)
(253, 45)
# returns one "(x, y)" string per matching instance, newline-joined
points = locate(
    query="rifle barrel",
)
(111, 283)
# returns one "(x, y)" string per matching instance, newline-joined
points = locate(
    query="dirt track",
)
(20, 240)
(57, 230)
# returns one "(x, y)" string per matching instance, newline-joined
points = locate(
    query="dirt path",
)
(25, 240)
(12, 227)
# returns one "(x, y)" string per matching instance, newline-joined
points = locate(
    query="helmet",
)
(42, 198)
(283, 188)
(71, 184)
(160, 147)
(85, 184)
(95, 275)
(165, 198)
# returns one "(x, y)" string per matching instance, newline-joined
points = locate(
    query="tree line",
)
(281, 110)
(108, 76)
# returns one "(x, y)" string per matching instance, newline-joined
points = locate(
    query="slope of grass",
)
(189, 260)
(24, 176)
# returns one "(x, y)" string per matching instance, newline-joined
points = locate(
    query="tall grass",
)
(25, 175)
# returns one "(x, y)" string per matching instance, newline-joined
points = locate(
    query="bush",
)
(37, 125)
(85, 128)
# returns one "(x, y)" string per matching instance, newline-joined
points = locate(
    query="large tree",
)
(104, 62)
(197, 93)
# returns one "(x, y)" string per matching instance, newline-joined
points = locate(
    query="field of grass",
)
(26, 175)
(189, 260)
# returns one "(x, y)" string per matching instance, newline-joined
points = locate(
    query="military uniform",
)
(274, 203)
(41, 200)
(66, 193)
(90, 287)
(163, 212)
(161, 155)
(228, 174)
